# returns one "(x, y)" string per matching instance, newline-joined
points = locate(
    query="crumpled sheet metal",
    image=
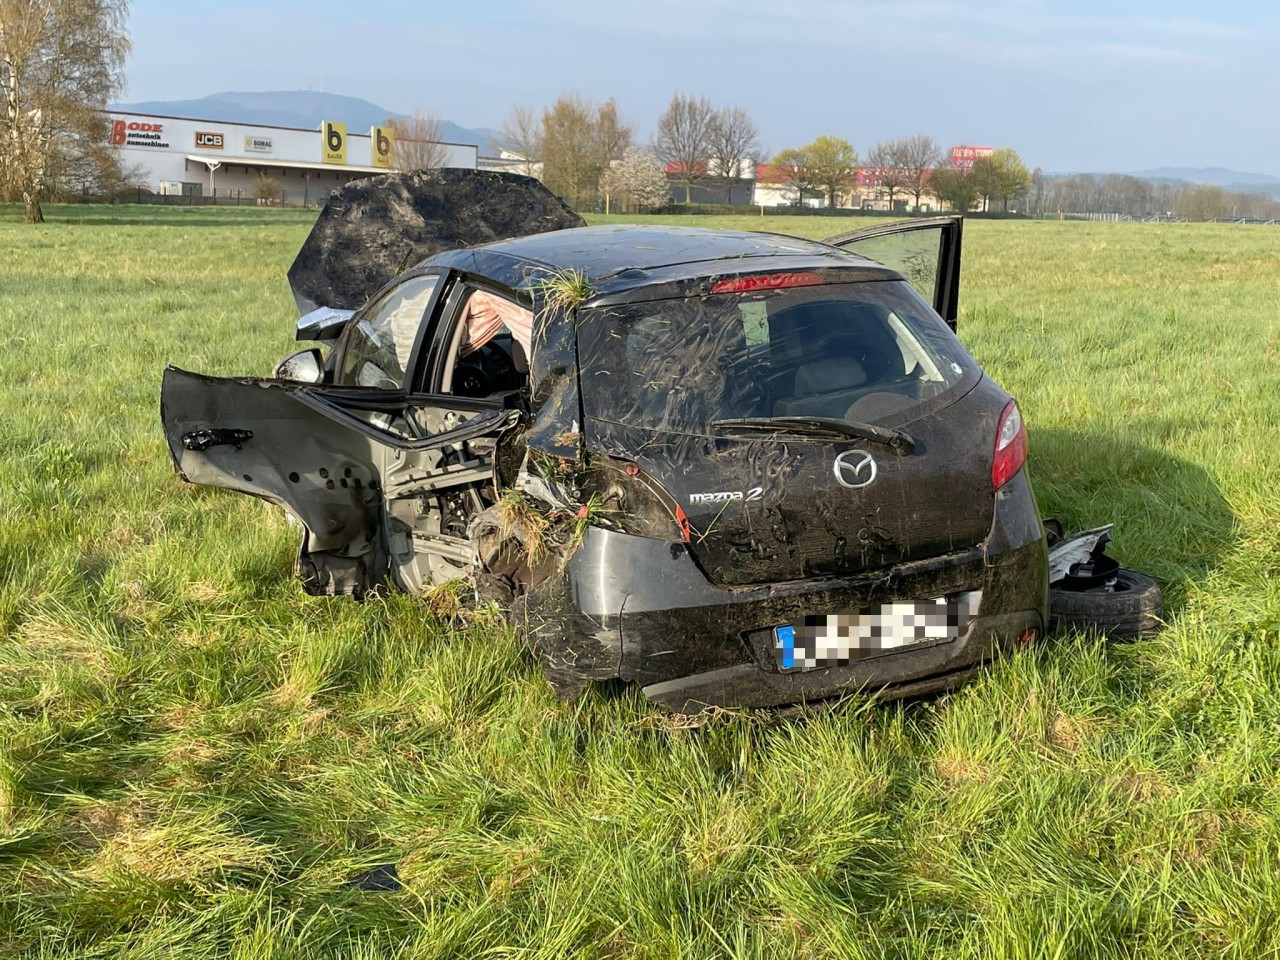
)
(1074, 549)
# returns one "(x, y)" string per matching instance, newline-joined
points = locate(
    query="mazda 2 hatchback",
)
(737, 469)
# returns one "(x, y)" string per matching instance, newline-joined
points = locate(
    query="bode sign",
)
(138, 133)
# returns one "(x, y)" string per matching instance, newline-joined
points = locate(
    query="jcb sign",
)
(384, 147)
(209, 141)
(335, 142)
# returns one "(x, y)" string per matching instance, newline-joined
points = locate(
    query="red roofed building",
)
(775, 187)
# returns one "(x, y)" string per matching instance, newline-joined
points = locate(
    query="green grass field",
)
(195, 757)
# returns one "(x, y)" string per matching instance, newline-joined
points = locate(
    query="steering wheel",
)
(470, 378)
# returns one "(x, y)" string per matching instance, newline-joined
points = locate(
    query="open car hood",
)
(373, 229)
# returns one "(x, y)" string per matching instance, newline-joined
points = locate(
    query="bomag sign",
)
(206, 140)
(334, 145)
(383, 140)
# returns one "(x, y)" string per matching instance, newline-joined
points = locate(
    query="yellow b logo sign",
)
(335, 142)
(383, 142)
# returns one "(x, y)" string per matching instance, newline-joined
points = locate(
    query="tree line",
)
(1124, 195)
(577, 144)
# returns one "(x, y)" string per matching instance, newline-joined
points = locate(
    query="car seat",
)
(823, 388)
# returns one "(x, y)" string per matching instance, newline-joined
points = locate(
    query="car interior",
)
(837, 358)
(490, 355)
(864, 370)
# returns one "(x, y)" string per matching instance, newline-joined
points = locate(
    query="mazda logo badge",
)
(854, 469)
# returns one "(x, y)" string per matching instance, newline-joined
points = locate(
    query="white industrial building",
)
(210, 158)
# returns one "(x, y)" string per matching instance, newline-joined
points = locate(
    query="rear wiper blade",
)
(899, 440)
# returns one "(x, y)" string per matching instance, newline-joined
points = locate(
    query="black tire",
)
(1134, 609)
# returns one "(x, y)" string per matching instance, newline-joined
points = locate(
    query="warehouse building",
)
(185, 156)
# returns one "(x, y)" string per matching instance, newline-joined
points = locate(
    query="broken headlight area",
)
(817, 641)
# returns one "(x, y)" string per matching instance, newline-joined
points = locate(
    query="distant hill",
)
(299, 108)
(1215, 176)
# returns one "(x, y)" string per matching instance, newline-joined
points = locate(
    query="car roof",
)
(621, 257)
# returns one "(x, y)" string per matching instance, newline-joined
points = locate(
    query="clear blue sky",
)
(1087, 85)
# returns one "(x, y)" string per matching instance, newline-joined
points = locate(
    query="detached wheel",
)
(1131, 608)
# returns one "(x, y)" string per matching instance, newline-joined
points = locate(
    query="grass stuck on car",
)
(736, 469)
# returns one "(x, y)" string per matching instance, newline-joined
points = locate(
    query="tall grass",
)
(196, 759)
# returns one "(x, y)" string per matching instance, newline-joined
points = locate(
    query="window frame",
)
(424, 324)
(444, 330)
(945, 296)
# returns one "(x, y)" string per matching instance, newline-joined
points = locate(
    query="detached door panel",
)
(926, 252)
(344, 462)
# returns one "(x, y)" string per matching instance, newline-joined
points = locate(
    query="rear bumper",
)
(641, 609)
(908, 673)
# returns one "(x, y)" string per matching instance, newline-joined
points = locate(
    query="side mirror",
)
(305, 366)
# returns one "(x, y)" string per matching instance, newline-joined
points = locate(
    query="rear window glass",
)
(873, 352)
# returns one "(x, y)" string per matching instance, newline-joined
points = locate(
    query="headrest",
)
(825, 376)
(876, 407)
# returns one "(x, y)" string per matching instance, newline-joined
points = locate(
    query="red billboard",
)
(963, 157)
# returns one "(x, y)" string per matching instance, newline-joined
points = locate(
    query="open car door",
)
(925, 251)
(382, 483)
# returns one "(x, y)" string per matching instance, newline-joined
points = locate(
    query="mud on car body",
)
(736, 469)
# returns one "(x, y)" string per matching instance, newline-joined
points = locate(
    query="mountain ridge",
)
(1214, 176)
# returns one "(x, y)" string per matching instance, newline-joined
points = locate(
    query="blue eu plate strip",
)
(787, 637)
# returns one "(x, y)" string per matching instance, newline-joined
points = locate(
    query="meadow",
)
(196, 758)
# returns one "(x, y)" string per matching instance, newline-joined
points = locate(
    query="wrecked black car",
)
(737, 469)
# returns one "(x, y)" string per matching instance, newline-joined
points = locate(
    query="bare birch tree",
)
(918, 156)
(734, 143)
(418, 145)
(60, 62)
(522, 136)
(886, 160)
(684, 139)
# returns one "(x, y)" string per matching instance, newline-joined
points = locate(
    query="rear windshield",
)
(873, 352)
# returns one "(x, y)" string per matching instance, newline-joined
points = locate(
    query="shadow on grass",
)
(1171, 520)
(267, 576)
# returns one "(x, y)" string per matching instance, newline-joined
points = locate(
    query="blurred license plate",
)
(838, 639)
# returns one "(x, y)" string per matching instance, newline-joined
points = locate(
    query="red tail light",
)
(1011, 446)
(766, 281)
